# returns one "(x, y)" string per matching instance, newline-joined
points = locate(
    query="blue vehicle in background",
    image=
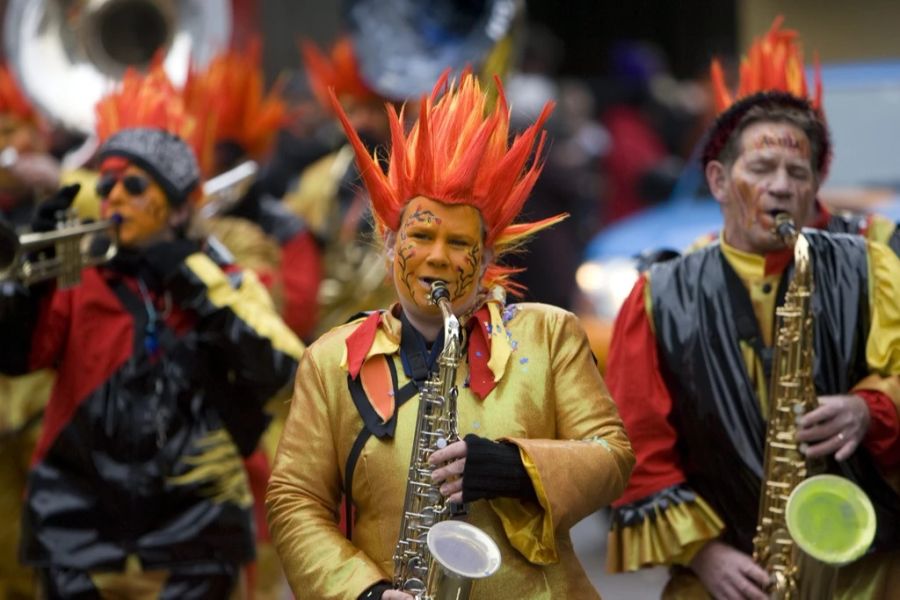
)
(862, 105)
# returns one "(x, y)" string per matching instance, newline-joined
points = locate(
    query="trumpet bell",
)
(831, 519)
(67, 55)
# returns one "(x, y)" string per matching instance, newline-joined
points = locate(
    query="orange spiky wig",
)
(151, 101)
(13, 101)
(458, 152)
(229, 95)
(339, 72)
(770, 75)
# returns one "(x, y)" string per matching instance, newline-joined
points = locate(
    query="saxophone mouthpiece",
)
(439, 291)
(785, 228)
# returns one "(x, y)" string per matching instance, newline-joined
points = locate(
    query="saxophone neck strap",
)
(418, 360)
(745, 318)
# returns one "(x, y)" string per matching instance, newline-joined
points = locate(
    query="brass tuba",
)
(797, 505)
(23, 257)
(67, 53)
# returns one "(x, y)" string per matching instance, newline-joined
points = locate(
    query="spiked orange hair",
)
(151, 100)
(230, 93)
(12, 100)
(773, 63)
(340, 72)
(458, 152)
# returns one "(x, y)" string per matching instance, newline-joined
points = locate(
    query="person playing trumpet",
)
(165, 357)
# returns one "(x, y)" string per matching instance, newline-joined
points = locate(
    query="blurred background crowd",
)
(630, 81)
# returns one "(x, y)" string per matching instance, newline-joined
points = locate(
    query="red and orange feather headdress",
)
(229, 95)
(772, 72)
(773, 63)
(151, 100)
(458, 152)
(339, 72)
(13, 101)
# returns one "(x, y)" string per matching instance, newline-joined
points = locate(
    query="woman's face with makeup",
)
(437, 241)
(130, 193)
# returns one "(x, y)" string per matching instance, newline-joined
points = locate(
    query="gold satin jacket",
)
(549, 400)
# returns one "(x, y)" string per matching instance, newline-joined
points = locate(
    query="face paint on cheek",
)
(750, 199)
(405, 252)
(465, 279)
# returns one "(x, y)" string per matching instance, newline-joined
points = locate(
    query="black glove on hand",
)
(494, 470)
(248, 206)
(164, 258)
(45, 217)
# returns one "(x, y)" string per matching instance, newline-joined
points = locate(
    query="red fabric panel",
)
(883, 437)
(244, 22)
(301, 273)
(89, 332)
(378, 385)
(634, 380)
(359, 342)
(481, 379)
(258, 472)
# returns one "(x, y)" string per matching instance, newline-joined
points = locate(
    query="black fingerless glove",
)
(164, 258)
(272, 216)
(494, 470)
(45, 217)
(375, 592)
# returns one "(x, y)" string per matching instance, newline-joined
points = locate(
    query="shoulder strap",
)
(372, 425)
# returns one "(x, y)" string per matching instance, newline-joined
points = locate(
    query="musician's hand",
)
(455, 457)
(837, 426)
(165, 257)
(728, 573)
(45, 217)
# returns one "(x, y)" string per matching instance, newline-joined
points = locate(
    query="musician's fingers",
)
(455, 450)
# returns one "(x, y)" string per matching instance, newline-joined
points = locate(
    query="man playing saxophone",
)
(691, 357)
(542, 443)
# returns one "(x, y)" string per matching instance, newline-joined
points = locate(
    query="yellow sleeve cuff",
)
(672, 535)
(529, 526)
(882, 351)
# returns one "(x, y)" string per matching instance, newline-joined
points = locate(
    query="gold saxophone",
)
(785, 468)
(437, 558)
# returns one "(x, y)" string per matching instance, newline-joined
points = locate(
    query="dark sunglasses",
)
(135, 185)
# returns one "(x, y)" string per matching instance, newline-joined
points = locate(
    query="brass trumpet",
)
(20, 255)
